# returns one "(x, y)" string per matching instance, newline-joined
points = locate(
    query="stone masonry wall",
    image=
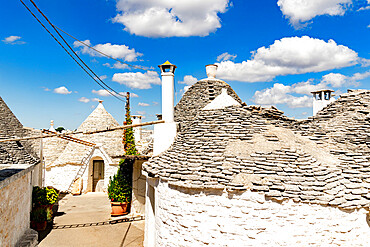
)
(218, 218)
(15, 206)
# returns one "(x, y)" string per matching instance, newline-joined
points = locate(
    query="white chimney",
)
(136, 119)
(321, 99)
(168, 80)
(52, 126)
(165, 133)
(211, 70)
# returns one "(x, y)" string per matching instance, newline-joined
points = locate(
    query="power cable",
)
(114, 95)
(34, 4)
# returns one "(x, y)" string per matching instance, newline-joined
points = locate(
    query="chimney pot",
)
(211, 70)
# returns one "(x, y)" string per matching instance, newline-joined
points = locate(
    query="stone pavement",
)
(84, 221)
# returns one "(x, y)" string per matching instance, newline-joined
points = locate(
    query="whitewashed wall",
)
(222, 219)
(60, 177)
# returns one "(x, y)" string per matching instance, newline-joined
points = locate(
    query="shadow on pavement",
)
(102, 223)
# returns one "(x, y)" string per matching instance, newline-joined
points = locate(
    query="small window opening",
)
(319, 96)
(326, 95)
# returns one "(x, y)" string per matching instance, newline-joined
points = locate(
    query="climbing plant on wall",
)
(120, 186)
(128, 134)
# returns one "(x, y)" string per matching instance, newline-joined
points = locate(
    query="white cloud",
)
(225, 56)
(188, 80)
(13, 40)
(105, 93)
(138, 80)
(165, 18)
(46, 89)
(117, 65)
(95, 99)
(84, 100)
(143, 104)
(134, 95)
(281, 94)
(62, 90)
(365, 7)
(155, 103)
(298, 11)
(360, 76)
(278, 94)
(142, 113)
(335, 79)
(101, 92)
(115, 51)
(102, 77)
(293, 55)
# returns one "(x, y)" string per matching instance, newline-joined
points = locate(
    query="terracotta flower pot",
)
(119, 208)
(39, 226)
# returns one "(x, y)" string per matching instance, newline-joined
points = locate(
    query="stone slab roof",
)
(110, 141)
(250, 147)
(13, 152)
(198, 96)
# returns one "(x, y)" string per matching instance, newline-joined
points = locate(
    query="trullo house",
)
(239, 175)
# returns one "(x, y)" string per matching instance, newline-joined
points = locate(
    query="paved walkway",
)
(84, 221)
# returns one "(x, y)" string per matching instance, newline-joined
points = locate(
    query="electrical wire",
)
(94, 78)
(34, 4)
(102, 53)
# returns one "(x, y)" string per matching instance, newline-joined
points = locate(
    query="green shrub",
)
(51, 195)
(43, 196)
(120, 187)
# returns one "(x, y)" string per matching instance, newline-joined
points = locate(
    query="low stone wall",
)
(217, 218)
(15, 205)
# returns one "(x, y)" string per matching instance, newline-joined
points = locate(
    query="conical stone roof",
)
(110, 141)
(13, 152)
(198, 96)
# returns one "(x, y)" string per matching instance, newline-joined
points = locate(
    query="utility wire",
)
(83, 132)
(114, 95)
(102, 53)
(34, 4)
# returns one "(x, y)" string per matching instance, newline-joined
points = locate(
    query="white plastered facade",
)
(63, 159)
(185, 217)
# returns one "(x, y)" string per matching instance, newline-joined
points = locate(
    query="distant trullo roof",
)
(110, 141)
(248, 147)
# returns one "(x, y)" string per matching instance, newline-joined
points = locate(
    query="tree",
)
(59, 129)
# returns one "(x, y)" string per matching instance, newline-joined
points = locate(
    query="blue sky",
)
(271, 52)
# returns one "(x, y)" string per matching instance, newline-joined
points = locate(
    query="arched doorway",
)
(98, 175)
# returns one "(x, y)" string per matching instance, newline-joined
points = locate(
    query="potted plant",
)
(39, 218)
(120, 189)
(44, 198)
